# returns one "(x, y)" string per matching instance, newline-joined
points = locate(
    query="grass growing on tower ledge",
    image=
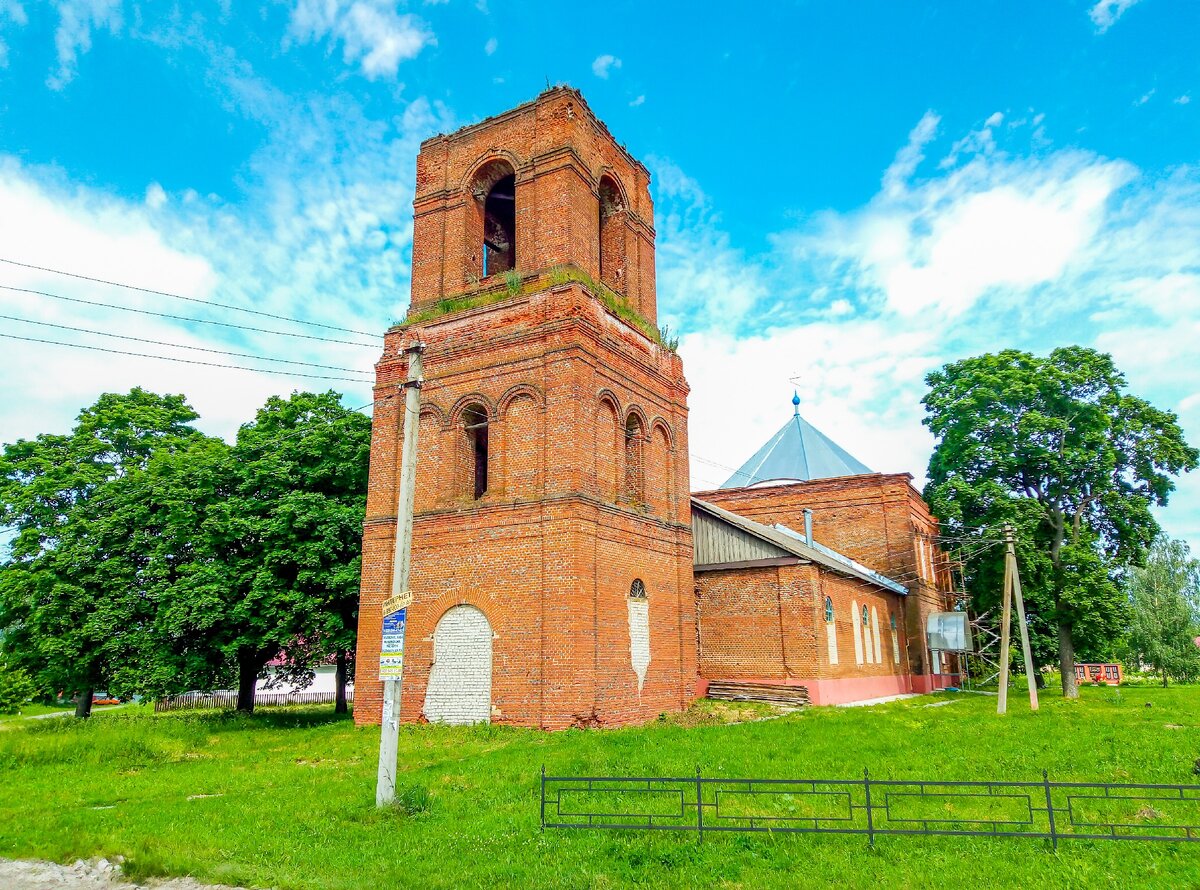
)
(513, 284)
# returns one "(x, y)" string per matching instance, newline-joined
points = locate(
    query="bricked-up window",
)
(635, 469)
(637, 590)
(475, 423)
(612, 235)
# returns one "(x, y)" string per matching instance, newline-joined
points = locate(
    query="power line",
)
(160, 293)
(186, 361)
(261, 358)
(223, 324)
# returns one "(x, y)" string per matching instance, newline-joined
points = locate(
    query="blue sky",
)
(847, 193)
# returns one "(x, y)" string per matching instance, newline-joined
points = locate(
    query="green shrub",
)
(15, 689)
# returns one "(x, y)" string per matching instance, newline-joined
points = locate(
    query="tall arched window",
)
(612, 235)
(830, 632)
(637, 590)
(635, 470)
(475, 425)
(494, 188)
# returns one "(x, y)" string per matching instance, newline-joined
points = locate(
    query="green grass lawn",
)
(286, 798)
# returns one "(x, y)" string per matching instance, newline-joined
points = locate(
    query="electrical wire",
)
(261, 358)
(186, 361)
(160, 293)
(223, 324)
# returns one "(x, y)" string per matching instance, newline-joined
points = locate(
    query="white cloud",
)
(1106, 12)
(1032, 250)
(491, 46)
(640, 100)
(76, 21)
(909, 157)
(1145, 97)
(322, 235)
(11, 13)
(156, 197)
(604, 64)
(373, 34)
(1183, 100)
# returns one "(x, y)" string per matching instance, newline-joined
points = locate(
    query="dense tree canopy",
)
(65, 605)
(1056, 446)
(172, 560)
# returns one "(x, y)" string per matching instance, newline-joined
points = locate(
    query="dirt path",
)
(98, 874)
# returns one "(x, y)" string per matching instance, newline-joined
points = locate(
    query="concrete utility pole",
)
(395, 608)
(1012, 590)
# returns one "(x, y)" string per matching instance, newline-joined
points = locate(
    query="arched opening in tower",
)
(475, 424)
(500, 226)
(612, 235)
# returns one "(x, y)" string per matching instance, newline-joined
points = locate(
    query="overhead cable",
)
(260, 358)
(223, 324)
(161, 293)
(186, 361)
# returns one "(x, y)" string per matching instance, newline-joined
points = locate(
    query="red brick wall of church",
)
(767, 624)
(879, 519)
(559, 151)
(550, 551)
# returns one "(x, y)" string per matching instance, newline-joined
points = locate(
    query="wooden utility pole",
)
(395, 608)
(1012, 590)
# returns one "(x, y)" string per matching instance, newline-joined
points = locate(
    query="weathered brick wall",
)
(768, 624)
(550, 551)
(559, 151)
(879, 520)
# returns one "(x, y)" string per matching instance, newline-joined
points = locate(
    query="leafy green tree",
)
(1057, 447)
(64, 604)
(1164, 598)
(304, 464)
(250, 554)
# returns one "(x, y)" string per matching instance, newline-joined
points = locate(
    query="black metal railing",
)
(1051, 810)
(215, 700)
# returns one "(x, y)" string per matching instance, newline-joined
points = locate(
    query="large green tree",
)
(1164, 597)
(250, 553)
(68, 611)
(1058, 447)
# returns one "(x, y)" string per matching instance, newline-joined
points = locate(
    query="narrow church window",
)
(895, 642)
(637, 590)
(475, 423)
(634, 467)
(830, 632)
(866, 632)
(856, 618)
(875, 635)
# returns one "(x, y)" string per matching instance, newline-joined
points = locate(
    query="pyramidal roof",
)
(797, 453)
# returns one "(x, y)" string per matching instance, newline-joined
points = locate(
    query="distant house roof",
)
(744, 541)
(797, 453)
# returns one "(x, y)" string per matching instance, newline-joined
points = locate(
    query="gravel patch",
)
(97, 874)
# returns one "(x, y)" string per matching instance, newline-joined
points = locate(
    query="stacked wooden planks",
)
(776, 694)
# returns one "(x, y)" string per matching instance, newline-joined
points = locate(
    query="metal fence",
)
(873, 807)
(210, 700)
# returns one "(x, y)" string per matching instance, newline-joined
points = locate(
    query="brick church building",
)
(562, 573)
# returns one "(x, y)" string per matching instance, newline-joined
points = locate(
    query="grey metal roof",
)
(797, 453)
(789, 542)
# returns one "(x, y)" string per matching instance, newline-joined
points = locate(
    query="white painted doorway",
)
(460, 679)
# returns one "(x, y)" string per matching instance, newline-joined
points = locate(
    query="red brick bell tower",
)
(552, 572)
